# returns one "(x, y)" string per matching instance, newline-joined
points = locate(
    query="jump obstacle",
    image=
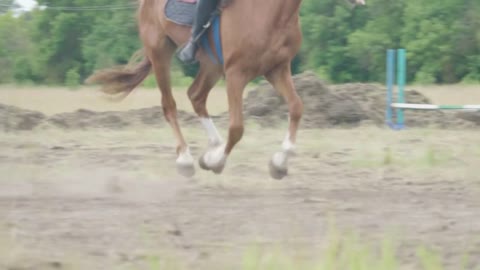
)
(400, 105)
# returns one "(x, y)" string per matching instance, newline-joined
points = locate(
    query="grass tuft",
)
(388, 157)
(429, 260)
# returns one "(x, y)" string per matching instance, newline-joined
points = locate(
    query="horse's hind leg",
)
(281, 79)
(207, 77)
(160, 57)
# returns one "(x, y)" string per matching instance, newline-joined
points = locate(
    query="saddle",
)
(182, 12)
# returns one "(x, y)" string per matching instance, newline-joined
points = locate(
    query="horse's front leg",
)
(215, 158)
(281, 79)
(198, 92)
(215, 143)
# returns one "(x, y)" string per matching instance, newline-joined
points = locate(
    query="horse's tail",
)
(121, 81)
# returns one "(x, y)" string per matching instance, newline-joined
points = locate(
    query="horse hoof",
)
(217, 169)
(214, 160)
(186, 170)
(185, 164)
(277, 173)
(202, 164)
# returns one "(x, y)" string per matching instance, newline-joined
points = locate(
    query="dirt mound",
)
(17, 119)
(322, 107)
(85, 119)
(13, 118)
(473, 117)
(372, 99)
(440, 119)
(346, 105)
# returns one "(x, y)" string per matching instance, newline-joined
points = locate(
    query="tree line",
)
(65, 43)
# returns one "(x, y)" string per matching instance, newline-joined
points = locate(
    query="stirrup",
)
(188, 52)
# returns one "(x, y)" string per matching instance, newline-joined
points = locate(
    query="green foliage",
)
(112, 40)
(72, 78)
(14, 45)
(340, 44)
(85, 39)
(150, 82)
(441, 37)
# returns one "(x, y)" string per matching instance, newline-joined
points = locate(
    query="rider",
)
(203, 12)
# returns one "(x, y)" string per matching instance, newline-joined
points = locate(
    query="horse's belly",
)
(259, 50)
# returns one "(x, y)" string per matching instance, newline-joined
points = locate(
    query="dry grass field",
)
(355, 198)
(451, 94)
(57, 100)
(50, 100)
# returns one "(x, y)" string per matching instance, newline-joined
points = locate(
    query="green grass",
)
(342, 253)
(429, 259)
(425, 157)
(348, 252)
(167, 263)
(178, 80)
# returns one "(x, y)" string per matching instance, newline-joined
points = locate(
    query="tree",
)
(367, 45)
(82, 39)
(64, 45)
(112, 40)
(326, 26)
(14, 44)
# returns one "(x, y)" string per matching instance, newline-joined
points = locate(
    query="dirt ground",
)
(90, 196)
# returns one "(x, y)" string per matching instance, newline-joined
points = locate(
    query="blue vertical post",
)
(390, 80)
(401, 74)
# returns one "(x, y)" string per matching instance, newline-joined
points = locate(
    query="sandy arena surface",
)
(80, 191)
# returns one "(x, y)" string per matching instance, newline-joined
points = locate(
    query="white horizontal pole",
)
(434, 107)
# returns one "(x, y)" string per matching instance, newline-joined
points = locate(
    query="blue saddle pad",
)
(216, 57)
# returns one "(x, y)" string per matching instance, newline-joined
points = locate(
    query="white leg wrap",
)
(185, 158)
(214, 138)
(287, 145)
(280, 159)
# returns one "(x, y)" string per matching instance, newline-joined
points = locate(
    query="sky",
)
(26, 4)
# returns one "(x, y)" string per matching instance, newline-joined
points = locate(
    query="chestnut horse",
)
(259, 38)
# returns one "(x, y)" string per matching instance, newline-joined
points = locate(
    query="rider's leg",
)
(203, 12)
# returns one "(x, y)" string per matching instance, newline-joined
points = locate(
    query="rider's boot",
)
(204, 10)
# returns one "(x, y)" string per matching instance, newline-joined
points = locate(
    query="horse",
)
(258, 38)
